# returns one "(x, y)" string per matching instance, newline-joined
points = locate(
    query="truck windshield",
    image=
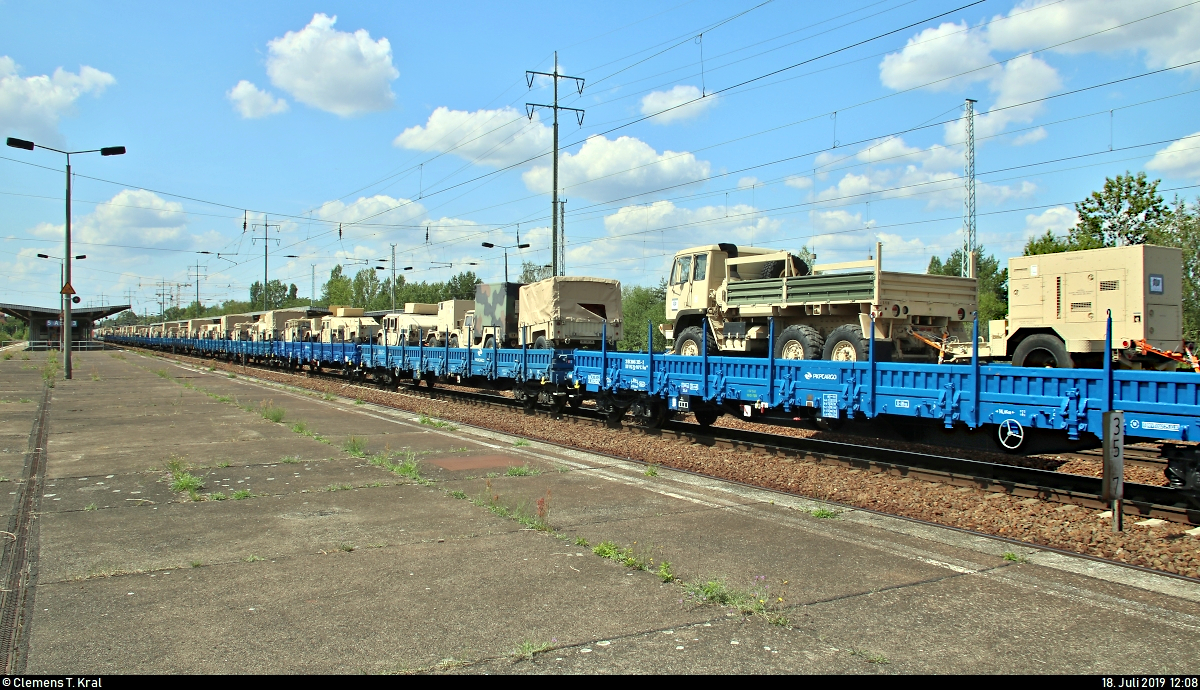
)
(683, 270)
(701, 267)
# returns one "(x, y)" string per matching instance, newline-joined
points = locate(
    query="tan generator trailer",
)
(301, 330)
(1058, 306)
(820, 312)
(570, 311)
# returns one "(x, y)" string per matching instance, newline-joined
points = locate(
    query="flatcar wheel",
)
(430, 380)
(575, 401)
(559, 404)
(613, 416)
(706, 417)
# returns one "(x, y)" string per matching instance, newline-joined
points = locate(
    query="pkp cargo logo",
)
(808, 376)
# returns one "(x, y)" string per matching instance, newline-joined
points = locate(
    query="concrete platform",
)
(334, 564)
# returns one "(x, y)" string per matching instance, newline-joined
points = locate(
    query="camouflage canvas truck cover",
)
(495, 315)
(570, 311)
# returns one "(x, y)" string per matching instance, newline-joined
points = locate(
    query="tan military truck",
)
(417, 321)
(301, 330)
(270, 325)
(450, 316)
(570, 311)
(1058, 306)
(230, 323)
(820, 312)
(348, 325)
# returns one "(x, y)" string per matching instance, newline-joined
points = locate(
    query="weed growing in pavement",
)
(521, 442)
(580, 541)
(436, 423)
(224, 463)
(528, 650)
(338, 487)
(651, 471)
(186, 481)
(347, 546)
(408, 467)
(359, 401)
(355, 446)
(1014, 557)
(458, 494)
(535, 520)
(824, 513)
(7, 356)
(252, 558)
(492, 475)
(757, 600)
(4, 479)
(627, 557)
(869, 657)
(269, 410)
(231, 375)
(218, 496)
(90, 506)
(24, 356)
(196, 564)
(562, 469)
(522, 471)
(195, 495)
(95, 375)
(664, 572)
(163, 373)
(240, 494)
(328, 397)
(290, 459)
(300, 428)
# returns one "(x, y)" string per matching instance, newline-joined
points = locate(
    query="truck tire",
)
(799, 342)
(453, 341)
(690, 343)
(771, 269)
(540, 343)
(1042, 350)
(846, 344)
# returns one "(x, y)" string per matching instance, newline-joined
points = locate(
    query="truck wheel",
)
(690, 343)
(799, 342)
(454, 341)
(1042, 350)
(489, 343)
(846, 344)
(771, 269)
(540, 343)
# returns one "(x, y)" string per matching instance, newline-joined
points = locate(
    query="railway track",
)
(1141, 500)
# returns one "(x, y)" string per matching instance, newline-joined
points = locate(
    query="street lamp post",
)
(106, 151)
(62, 299)
(489, 245)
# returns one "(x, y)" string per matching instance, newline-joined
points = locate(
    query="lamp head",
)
(81, 256)
(20, 144)
(489, 245)
(113, 151)
(522, 246)
(43, 256)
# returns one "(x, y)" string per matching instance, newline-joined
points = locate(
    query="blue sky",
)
(401, 121)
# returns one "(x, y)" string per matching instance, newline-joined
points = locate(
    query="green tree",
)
(339, 289)
(641, 305)
(365, 288)
(993, 282)
(1180, 227)
(1122, 213)
(532, 273)
(276, 294)
(461, 286)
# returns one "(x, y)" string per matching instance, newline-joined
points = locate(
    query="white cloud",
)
(747, 182)
(252, 102)
(1057, 220)
(799, 182)
(364, 207)
(339, 72)
(1031, 137)
(663, 101)
(1181, 159)
(32, 106)
(132, 216)
(489, 137)
(612, 168)
(839, 221)
(1163, 41)
(937, 54)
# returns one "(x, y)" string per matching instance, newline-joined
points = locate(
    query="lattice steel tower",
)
(970, 244)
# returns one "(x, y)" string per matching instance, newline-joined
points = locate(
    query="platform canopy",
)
(45, 324)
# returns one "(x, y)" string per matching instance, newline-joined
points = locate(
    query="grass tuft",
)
(651, 471)
(522, 471)
(1015, 557)
(90, 506)
(269, 410)
(528, 650)
(338, 487)
(186, 481)
(355, 446)
(458, 494)
(290, 459)
(627, 557)
(521, 442)
(217, 496)
(252, 558)
(347, 546)
(436, 423)
(824, 513)
(240, 494)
